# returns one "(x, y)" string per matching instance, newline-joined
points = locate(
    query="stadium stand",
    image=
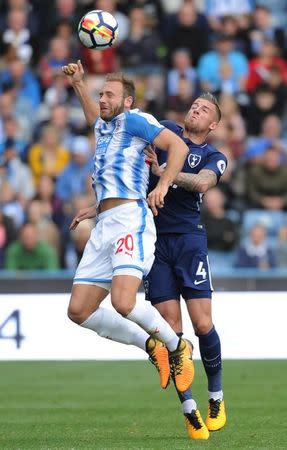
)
(240, 57)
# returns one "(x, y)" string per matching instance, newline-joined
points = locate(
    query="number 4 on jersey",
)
(11, 325)
(201, 270)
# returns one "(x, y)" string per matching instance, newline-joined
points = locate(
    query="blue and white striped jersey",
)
(120, 170)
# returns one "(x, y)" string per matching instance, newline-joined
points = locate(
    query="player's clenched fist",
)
(74, 70)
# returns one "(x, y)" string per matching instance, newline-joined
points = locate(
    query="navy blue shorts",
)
(181, 268)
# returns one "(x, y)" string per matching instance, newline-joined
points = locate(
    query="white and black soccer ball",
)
(98, 29)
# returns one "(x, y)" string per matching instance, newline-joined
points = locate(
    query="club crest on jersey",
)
(193, 160)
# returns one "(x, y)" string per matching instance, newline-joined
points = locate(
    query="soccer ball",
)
(98, 29)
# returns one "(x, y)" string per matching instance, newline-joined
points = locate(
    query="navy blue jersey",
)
(181, 211)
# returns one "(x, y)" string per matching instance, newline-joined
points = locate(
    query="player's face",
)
(201, 117)
(112, 101)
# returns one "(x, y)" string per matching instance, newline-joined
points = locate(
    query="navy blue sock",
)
(186, 395)
(210, 351)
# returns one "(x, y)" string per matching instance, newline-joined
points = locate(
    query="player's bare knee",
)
(121, 302)
(202, 325)
(76, 312)
(122, 307)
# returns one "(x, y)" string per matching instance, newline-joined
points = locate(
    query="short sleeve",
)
(143, 125)
(216, 162)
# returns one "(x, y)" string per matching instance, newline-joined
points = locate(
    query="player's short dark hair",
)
(128, 84)
(212, 99)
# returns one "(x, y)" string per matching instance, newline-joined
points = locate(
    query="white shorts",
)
(122, 243)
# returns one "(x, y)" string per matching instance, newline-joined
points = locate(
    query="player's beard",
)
(113, 112)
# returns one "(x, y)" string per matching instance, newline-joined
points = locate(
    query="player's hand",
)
(155, 198)
(151, 157)
(74, 71)
(85, 213)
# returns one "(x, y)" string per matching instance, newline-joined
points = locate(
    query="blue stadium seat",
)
(220, 260)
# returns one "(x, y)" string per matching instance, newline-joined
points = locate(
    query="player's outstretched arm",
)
(177, 153)
(197, 182)
(75, 72)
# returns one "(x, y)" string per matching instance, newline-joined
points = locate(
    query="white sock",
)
(111, 325)
(188, 406)
(215, 395)
(147, 317)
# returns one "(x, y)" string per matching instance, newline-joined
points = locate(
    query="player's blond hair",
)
(128, 84)
(212, 99)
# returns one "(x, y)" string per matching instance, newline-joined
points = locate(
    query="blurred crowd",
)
(173, 49)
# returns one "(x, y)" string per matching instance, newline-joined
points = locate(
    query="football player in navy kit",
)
(181, 266)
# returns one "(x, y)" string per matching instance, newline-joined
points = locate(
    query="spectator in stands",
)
(51, 63)
(139, 52)
(181, 68)
(278, 86)
(282, 247)
(18, 34)
(11, 106)
(223, 69)
(29, 253)
(263, 103)
(270, 134)
(73, 180)
(65, 10)
(187, 29)
(20, 78)
(17, 173)
(59, 118)
(51, 204)
(255, 252)
(48, 156)
(231, 26)
(7, 235)
(221, 231)
(29, 7)
(263, 28)
(260, 66)
(65, 30)
(11, 135)
(139, 55)
(40, 214)
(9, 203)
(230, 114)
(267, 187)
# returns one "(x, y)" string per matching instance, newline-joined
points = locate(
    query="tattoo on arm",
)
(196, 182)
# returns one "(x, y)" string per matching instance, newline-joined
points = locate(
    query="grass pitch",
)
(119, 405)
